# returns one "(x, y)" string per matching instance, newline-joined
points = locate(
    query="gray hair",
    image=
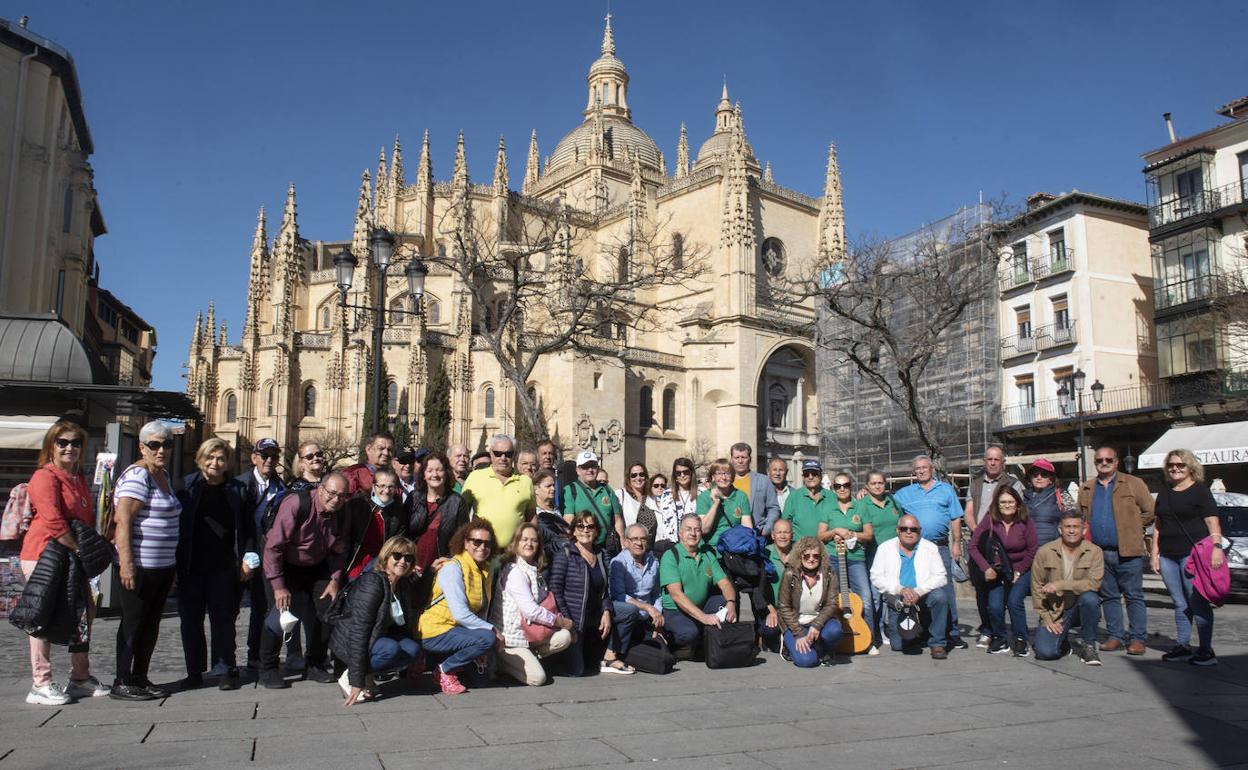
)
(632, 527)
(689, 516)
(502, 437)
(741, 446)
(156, 429)
(923, 456)
(997, 447)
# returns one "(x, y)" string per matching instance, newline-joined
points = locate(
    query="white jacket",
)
(929, 568)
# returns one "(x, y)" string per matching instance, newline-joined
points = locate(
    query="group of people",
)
(415, 561)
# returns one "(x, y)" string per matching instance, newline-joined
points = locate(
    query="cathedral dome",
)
(620, 138)
(716, 148)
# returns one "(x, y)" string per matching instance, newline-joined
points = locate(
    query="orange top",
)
(56, 497)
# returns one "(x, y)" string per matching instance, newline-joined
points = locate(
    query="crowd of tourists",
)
(417, 564)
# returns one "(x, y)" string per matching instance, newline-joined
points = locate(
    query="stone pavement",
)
(890, 711)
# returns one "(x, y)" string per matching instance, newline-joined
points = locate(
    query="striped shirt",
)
(154, 533)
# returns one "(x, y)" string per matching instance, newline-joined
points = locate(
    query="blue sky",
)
(202, 112)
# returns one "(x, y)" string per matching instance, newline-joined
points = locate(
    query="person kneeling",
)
(687, 573)
(808, 604)
(373, 635)
(1065, 585)
(519, 604)
(908, 571)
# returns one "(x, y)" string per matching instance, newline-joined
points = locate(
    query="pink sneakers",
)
(449, 683)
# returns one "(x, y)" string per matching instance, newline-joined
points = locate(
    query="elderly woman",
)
(436, 512)
(374, 634)
(520, 599)
(1002, 549)
(1186, 514)
(578, 579)
(723, 506)
(808, 604)
(310, 464)
(1045, 500)
(147, 515)
(555, 531)
(215, 544)
(454, 624)
(372, 518)
(58, 494)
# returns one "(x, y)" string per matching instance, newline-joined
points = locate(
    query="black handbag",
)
(730, 645)
(651, 657)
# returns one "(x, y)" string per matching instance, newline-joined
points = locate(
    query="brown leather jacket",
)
(1133, 511)
(789, 598)
(1089, 570)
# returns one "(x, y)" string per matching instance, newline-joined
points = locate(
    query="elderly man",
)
(1118, 507)
(588, 494)
(526, 462)
(498, 493)
(461, 464)
(404, 466)
(547, 457)
(263, 487)
(378, 450)
(909, 572)
(634, 586)
(978, 500)
(304, 559)
(689, 573)
(778, 473)
(1065, 583)
(935, 504)
(764, 508)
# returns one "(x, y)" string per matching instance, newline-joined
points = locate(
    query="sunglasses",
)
(1169, 466)
(1106, 460)
(407, 557)
(658, 486)
(507, 453)
(907, 529)
(842, 486)
(586, 527)
(588, 467)
(477, 542)
(811, 557)
(65, 443)
(314, 456)
(268, 455)
(641, 475)
(156, 446)
(683, 472)
(811, 473)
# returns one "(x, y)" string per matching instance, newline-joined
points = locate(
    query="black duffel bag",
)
(651, 657)
(730, 645)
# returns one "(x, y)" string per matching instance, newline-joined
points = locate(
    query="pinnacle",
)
(608, 39)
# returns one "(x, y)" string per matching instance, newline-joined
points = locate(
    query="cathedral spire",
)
(598, 150)
(723, 112)
(501, 177)
(682, 153)
(737, 226)
(258, 279)
(831, 244)
(210, 325)
(461, 205)
(397, 180)
(608, 39)
(225, 337)
(637, 193)
(381, 189)
(360, 231)
(531, 173)
(424, 169)
(767, 177)
(288, 258)
(197, 339)
(460, 175)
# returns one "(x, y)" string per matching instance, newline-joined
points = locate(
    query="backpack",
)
(270, 510)
(17, 514)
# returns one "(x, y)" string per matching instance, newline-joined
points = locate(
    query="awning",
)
(1218, 444)
(20, 431)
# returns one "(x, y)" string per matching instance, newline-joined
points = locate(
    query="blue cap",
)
(265, 445)
(811, 465)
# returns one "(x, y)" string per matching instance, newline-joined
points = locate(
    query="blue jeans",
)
(934, 609)
(829, 638)
(1189, 605)
(684, 631)
(1051, 646)
(951, 596)
(392, 652)
(460, 645)
(997, 599)
(1124, 577)
(627, 622)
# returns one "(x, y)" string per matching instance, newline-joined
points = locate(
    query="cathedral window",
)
(678, 251)
(778, 405)
(645, 408)
(489, 403)
(434, 310)
(669, 409)
(309, 401)
(622, 267)
(392, 397)
(268, 401)
(325, 317)
(231, 409)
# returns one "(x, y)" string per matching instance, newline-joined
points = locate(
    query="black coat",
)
(454, 515)
(250, 507)
(235, 497)
(358, 513)
(568, 578)
(367, 616)
(56, 598)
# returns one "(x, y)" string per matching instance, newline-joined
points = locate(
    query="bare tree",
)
(702, 453)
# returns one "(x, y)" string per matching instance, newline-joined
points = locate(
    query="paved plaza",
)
(892, 711)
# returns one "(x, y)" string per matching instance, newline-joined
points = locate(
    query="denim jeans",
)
(460, 645)
(627, 622)
(1124, 577)
(1189, 604)
(951, 596)
(391, 652)
(829, 638)
(997, 599)
(1051, 646)
(684, 631)
(933, 611)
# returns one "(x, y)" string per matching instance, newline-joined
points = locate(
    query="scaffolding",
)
(862, 429)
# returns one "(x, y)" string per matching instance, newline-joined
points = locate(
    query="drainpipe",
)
(14, 150)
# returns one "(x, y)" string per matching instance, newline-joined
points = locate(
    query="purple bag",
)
(1213, 584)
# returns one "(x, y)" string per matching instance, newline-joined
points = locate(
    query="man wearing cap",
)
(498, 493)
(587, 494)
(909, 571)
(808, 507)
(978, 501)
(263, 487)
(378, 449)
(935, 504)
(405, 466)
(461, 464)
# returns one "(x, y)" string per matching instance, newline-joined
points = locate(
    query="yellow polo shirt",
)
(504, 504)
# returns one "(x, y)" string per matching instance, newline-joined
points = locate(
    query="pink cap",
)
(1044, 465)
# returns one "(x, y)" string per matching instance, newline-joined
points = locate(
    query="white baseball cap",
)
(586, 457)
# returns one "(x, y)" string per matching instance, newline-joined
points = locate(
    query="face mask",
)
(377, 502)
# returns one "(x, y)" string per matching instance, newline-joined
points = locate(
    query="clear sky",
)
(204, 111)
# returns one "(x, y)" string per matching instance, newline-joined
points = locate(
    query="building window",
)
(489, 403)
(396, 310)
(1184, 267)
(1057, 248)
(678, 251)
(1061, 312)
(1243, 175)
(1022, 317)
(772, 253)
(669, 409)
(60, 292)
(777, 405)
(433, 309)
(132, 334)
(1188, 345)
(309, 401)
(392, 398)
(268, 401)
(325, 317)
(1064, 377)
(1025, 387)
(108, 314)
(621, 267)
(231, 408)
(1018, 261)
(1189, 183)
(645, 408)
(597, 380)
(67, 212)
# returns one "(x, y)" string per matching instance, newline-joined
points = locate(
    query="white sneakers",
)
(87, 688)
(50, 694)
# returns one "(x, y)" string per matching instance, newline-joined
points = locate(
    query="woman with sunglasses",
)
(634, 496)
(310, 462)
(374, 635)
(673, 503)
(578, 579)
(1186, 514)
(216, 539)
(808, 603)
(1005, 569)
(522, 591)
(454, 625)
(147, 515)
(58, 494)
(1046, 501)
(846, 525)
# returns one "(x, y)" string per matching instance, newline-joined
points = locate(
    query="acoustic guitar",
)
(857, 634)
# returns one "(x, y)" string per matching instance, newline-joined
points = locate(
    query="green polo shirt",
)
(731, 509)
(851, 519)
(883, 519)
(600, 501)
(773, 554)
(807, 514)
(696, 574)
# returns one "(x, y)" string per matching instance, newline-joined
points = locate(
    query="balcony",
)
(1056, 335)
(1114, 400)
(1017, 345)
(1056, 264)
(1204, 202)
(1015, 276)
(1194, 289)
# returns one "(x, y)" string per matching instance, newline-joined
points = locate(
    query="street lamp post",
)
(1067, 399)
(381, 246)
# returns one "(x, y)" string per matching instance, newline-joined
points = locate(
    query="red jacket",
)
(56, 497)
(359, 478)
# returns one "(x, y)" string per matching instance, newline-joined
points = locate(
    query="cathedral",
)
(726, 360)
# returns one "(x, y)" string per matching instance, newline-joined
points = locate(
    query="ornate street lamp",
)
(1072, 397)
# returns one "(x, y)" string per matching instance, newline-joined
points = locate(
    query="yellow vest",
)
(437, 618)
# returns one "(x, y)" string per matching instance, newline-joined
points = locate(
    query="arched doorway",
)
(787, 405)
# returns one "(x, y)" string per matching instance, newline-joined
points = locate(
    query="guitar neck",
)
(842, 573)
